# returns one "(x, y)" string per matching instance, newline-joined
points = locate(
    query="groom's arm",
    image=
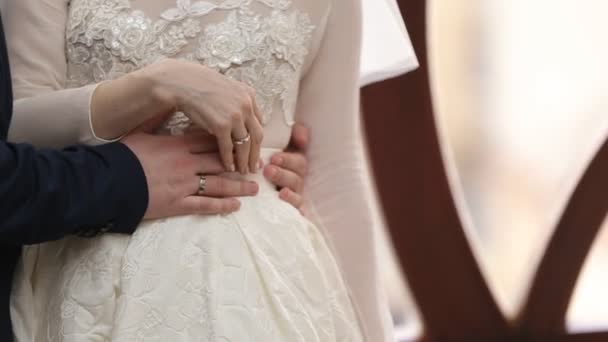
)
(46, 195)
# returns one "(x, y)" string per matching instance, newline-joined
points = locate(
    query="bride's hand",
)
(287, 170)
(224, 107)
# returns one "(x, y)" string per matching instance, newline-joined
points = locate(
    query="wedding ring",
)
(202, 184)
(242, 141)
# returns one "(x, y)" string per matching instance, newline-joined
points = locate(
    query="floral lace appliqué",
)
(107, 39)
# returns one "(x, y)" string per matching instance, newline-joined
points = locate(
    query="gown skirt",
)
(262, 274)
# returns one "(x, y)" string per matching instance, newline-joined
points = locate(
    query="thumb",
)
(300, 137)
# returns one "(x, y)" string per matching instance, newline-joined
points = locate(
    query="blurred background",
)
(521, 89)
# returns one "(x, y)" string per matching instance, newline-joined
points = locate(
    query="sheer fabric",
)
(393, 53)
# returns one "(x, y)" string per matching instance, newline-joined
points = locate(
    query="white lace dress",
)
(264, 273)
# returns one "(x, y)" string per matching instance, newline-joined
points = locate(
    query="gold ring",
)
(242, 141)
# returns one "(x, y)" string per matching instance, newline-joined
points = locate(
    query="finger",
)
(283, 178)
(257, 135)
(300, 137)
(200, 143)
(225, 146)
(295, 162)
(241, 149)
(217, 186)
(205, 163)
(195, 129)
(256, 110)
(207, 205)
(291, 197)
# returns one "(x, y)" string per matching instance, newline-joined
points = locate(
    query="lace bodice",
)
(263, 43)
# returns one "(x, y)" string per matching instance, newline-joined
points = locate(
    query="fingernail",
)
(258, 166)
(232, 168)
(283, 194)
(253, 188)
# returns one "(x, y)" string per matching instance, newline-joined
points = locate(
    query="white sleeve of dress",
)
(45, 113)
(338, 198)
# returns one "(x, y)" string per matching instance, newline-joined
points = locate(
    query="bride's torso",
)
(268, 44)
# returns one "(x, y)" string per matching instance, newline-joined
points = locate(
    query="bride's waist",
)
(264, 184)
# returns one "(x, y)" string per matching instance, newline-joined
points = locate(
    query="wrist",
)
(100, 125)
(152, 77)
(119, 106)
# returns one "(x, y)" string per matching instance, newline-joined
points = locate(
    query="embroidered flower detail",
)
(288, 36)
(178, 123)
(269, 78)
(232, 4)
(185, 8)
(79, 54)
(224, 44)
(277, 4)
(191, 28)
(128, 36)
(107, 39)
(68, 308)
(76, 25)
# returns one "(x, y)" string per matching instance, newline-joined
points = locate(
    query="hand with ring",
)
(224, 107)
(213, 194)
(187, 176)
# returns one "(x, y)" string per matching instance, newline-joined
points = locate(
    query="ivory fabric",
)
(392, 54)
(265, 269)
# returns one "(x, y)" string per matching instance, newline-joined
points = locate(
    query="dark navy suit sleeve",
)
(47, 194)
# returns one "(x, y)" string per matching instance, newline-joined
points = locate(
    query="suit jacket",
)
(46, 195)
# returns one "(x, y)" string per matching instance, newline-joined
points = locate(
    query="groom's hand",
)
(287, 170)
(172, 164)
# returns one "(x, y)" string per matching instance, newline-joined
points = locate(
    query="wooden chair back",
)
(448, 287)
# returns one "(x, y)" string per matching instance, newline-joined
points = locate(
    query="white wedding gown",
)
(264, 273)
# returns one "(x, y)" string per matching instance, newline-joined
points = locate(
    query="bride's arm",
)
(36, 31)
(336, 185)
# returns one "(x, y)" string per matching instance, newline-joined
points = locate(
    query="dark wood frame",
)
(452, 296)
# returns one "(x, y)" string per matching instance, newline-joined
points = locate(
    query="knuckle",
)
(221, 186)
(220, 125)
(257, 136)
(216, 206)
(236, 117)
(245, 102)
(224, 206)
(279, 175)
